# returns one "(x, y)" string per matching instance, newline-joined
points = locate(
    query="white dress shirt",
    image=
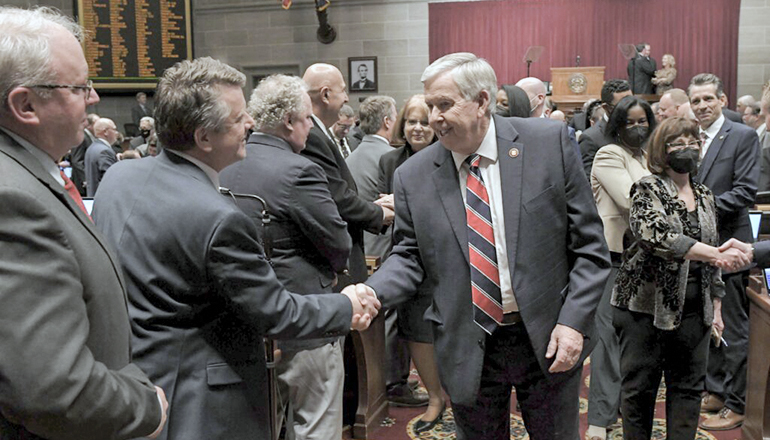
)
(490, 172)
(710, 133)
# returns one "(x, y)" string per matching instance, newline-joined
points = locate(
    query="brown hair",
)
(413, 101)
(667, 131)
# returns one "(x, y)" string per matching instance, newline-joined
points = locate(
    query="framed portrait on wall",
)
(362, 74)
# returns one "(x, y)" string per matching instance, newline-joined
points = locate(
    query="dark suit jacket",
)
(137, 113)
(590, 141)
(310, 242)
(361, 215)
(730, 169)
(64, 329)
(556, 251)
(762, 253)
(732, 115)
(640, 72)
(201, 296)
(368, 85)
(388, 164)
(99, 158)
(77, 159)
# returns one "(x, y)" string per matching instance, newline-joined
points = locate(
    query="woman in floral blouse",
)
(667, 295)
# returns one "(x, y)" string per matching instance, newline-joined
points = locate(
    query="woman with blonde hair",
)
(664, 78)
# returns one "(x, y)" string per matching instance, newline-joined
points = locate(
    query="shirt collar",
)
(210, 172)
(382, 138)
(487, 149)
(715, 127)
(48, 163)
(323, 127)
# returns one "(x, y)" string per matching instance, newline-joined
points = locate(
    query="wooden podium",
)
(756, 426)
(572, 86)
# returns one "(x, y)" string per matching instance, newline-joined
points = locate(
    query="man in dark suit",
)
(310, 245)
(140, 109)
(363, 83)
(201, 293)
(594, 138)
(100, 156)
(327, 93)
(64, 331)
(513, 297)
(641, 69)
(730, 168)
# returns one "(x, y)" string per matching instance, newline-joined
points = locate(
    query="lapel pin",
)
(721, 137)
(513, 152)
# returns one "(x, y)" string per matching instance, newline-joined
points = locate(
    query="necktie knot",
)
(473, 160)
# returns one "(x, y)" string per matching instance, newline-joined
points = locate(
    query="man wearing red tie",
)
(496, 221)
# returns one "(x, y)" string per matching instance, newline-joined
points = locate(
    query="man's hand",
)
(388, 215)
(386, 200)
(734, 255)
(365, 305)
(567, 344)
(164, 414)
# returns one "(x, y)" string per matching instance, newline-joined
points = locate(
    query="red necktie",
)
(485, 276)
(73, 192)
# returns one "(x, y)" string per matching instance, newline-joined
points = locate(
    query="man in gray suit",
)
(730, 169)
(201, 292)
(515, 289)
(100, 156)
(309, 243)
(65, 360)
(378, 120)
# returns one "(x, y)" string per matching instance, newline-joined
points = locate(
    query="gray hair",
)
(187, 98)
(25, 47)
(276, 97)
(347, 111)
(471, 74)
(703, 79)
(373, 112)
(148, 119)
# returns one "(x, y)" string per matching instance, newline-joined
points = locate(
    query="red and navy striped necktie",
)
(485, 276)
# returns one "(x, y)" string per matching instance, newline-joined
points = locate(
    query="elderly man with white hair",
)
(497, 222)
(310, 245)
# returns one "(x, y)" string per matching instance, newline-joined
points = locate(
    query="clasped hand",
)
(734, 255)
(365, 305)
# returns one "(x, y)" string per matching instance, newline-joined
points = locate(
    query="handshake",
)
(734, 255)
(365, 305)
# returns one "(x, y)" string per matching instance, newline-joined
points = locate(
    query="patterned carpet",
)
(399, 425)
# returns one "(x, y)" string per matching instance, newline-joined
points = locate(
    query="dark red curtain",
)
(701, 34)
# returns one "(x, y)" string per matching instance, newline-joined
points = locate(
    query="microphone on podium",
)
(577, 61)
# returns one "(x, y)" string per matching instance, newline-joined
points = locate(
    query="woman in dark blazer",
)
(667, 296)
(413, 134)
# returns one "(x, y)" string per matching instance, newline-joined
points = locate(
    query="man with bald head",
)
(64, 329)
(326, 88)
(100, 156)
(670, 103)
(743, 102)
(536, 91)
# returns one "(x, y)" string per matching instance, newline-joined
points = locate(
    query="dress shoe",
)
(404, 396)
(725, 420)
(421, 425)
(413, 383)
(711, 403)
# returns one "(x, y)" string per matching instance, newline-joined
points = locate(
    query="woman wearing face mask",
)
(413, 134)
(667, 295)
(616, 167)
(512, 101)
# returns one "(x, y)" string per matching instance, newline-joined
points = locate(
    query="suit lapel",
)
(448, 188)
(510, 157)
(713, 151)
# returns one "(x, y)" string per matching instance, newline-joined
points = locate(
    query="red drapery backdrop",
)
(701, 34)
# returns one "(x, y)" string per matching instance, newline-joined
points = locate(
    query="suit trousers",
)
(646, 354)
(310, 385)
(549, 402)
(604, 392)
(397, 352)
(727, 363)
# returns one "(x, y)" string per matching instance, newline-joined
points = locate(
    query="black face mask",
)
(684, 161)
(500, 110)
(635, 136)
(145, 133)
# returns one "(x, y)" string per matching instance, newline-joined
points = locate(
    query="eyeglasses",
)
(87, 87)
(679, 146)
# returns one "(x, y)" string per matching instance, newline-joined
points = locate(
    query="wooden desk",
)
(757, 423)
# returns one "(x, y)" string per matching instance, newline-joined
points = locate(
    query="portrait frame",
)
(355, 83)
